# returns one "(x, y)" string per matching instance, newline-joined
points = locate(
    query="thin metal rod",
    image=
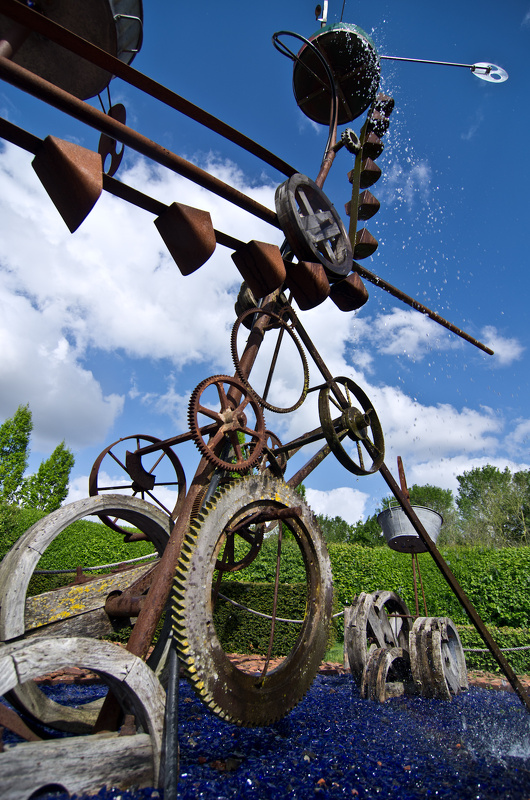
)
(171, 741)
(425, 61)
(46, 27)
(377, 281)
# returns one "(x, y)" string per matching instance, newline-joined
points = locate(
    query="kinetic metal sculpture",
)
(239, 492)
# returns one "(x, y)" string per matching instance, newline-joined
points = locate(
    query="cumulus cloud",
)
(402, 332)
(507, 350)
(110, 287)
(342, 502)
(526, 20)
(443, 472)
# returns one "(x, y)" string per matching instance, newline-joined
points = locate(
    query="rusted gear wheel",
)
(272, 463)
(312, 226)
(235, 401)
(437, 658)
(386, 674)
(142, 477)
(278, 322)
(376, 620)
(362, 426)
(237, 696)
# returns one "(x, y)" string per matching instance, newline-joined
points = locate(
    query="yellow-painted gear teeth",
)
(229, 692)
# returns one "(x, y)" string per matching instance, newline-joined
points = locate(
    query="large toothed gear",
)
(234, 695)
(239, 415)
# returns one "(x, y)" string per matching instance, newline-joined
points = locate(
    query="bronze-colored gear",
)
(277, 321)
(234, 695)
(230, 421)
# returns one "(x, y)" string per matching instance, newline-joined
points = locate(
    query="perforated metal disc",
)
(489, 72)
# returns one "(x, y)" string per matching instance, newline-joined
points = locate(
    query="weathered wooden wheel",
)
(71, 611)
(387, 674)
(83, 764)
(378, 620)
(231, 693)
(437, 658)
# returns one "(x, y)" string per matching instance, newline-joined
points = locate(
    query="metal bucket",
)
(399, 532)
(354, 62)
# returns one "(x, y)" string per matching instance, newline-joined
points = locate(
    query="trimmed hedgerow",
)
(519, 660)
(240, 631)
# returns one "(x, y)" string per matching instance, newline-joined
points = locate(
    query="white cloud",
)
(526, 21)
(342, 502)
(403, 183)
(402, 332)
(506, 350)
(109, 287)
(473, 126)
(443, 472)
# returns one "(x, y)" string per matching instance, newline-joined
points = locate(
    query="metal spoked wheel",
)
(229, 411)
(282, 323)
(378, 620)
(237, 696)
(154, 477)
(437, 658)
(360, 425)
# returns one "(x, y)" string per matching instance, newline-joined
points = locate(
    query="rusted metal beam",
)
(27, 141)
(58, 98)
(395, 292)
(46, 27)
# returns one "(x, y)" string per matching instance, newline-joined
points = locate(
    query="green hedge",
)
(519, 660)
(84, 543)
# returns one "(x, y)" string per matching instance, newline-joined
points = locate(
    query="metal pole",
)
(46, 27)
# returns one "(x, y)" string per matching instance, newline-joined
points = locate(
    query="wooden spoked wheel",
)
(378, 620)
(387, 674)
(83, 764)
(76, 610)
(437, 658)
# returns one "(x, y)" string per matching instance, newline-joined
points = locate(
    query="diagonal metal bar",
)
(44, 90)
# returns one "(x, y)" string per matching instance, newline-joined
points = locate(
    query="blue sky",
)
(104, 337)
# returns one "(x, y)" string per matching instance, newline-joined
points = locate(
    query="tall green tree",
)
(48, 487)
(494, 506)
(15, 434)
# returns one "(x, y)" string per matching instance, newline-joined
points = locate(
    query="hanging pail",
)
(399, 532)
(354, 62)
